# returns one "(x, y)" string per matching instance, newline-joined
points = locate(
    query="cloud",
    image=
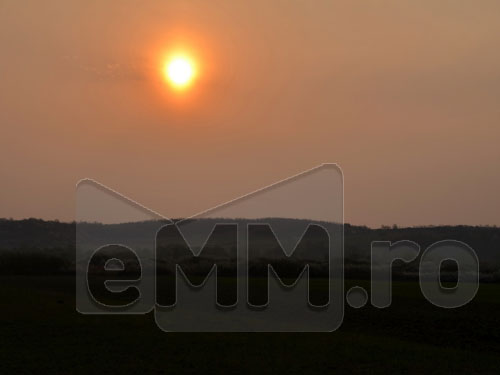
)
(107, 70)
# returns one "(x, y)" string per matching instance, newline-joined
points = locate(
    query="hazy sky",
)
(404, 95)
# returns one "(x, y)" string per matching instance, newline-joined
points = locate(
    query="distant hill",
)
(52, 243)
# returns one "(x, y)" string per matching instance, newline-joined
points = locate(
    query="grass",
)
(42, 332)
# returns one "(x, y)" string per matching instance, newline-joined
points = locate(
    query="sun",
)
(180, 71)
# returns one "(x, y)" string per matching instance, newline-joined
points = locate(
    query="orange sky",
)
(402, 94)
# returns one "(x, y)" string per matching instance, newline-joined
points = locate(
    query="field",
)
(41, 331)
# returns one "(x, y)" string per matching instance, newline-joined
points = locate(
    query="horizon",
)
(177, 220)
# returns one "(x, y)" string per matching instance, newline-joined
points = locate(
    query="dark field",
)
(41, 331)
